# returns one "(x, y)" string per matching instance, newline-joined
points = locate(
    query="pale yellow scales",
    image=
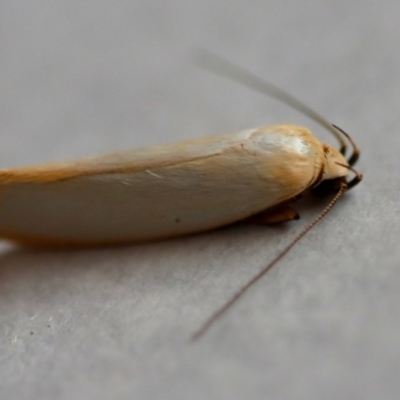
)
(163, 191)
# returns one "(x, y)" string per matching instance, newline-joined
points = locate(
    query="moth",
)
(180, 188)
(166, 191)
(174, 189)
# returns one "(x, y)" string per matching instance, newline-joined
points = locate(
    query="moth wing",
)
(142, 194)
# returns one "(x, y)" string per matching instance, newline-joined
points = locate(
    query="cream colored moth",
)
(180, 188)
(174, 189)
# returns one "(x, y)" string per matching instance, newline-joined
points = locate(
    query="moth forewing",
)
(156, 193)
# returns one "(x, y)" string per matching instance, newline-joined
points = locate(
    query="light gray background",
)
(88, 77)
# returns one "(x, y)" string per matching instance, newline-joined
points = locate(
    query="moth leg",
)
(276, 215)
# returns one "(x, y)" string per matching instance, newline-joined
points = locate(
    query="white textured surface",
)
(86, 77)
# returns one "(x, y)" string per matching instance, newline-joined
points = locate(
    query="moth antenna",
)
(357, 178)
(225, 68)
(356, 151)
(235, 297)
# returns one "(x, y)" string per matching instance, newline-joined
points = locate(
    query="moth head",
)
(335, 165)
(334, 173)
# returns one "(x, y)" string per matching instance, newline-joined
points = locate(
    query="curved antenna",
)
(251, 282)
(225, 68)
(356, 151)
(357, 176)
